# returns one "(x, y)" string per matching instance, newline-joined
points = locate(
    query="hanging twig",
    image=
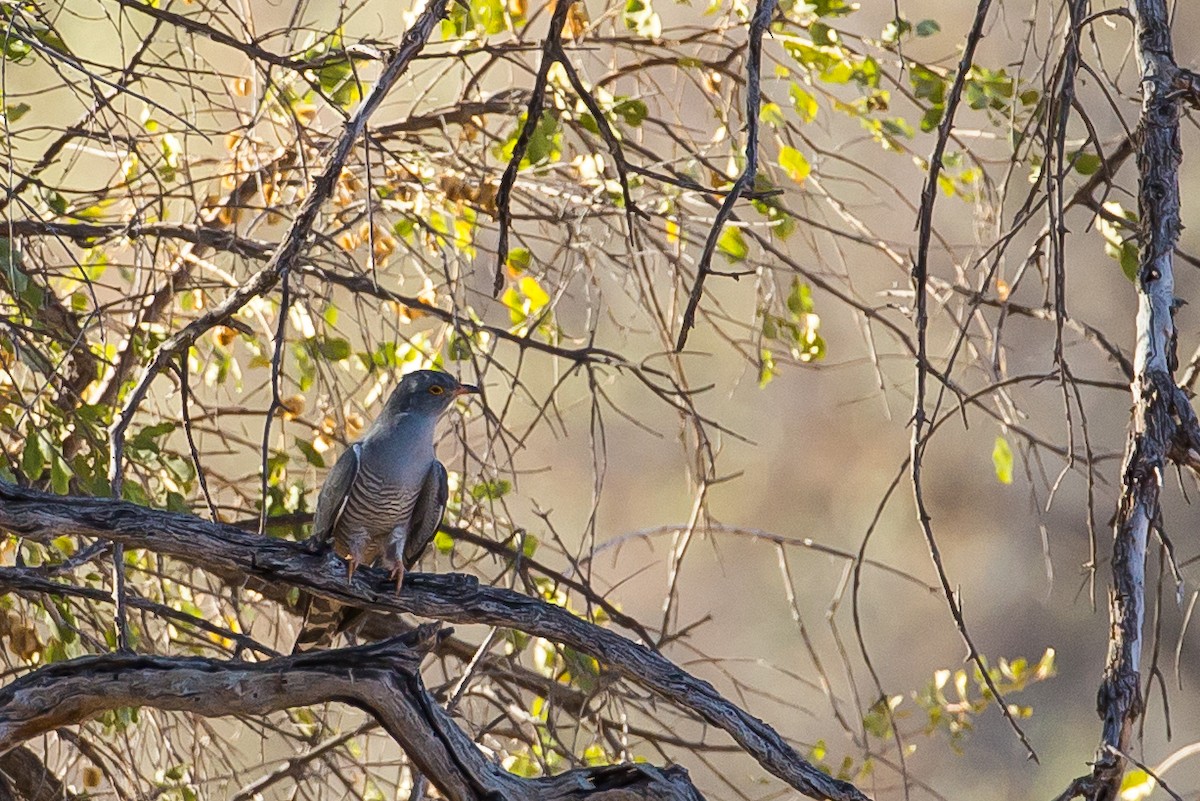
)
(920, 279)
(758, 26)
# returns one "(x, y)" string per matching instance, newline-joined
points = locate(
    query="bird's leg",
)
(397, 574)
(351, 565)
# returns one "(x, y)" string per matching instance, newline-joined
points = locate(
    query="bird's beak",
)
(466, 389)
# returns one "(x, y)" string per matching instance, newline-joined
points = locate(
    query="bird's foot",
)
(397, 575)
(351, 566)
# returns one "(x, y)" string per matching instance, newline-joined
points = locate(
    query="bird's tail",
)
(323, 619)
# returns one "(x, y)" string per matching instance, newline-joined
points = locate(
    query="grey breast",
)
(374, 508)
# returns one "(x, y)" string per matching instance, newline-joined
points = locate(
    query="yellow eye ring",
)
(436, 390)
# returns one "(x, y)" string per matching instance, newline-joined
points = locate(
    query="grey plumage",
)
(384, 498)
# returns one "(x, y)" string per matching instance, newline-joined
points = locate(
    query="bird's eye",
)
(436, 390)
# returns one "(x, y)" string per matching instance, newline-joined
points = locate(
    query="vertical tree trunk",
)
(1155, 396)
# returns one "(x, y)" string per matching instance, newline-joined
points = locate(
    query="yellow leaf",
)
(794, 163)
(1002, 460)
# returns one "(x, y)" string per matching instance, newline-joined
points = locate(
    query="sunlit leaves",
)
(641, 18)
(1136, 785)
(337, 75)
(833, 64)
(492, 489)
(525, 299)
(1118, 227)
(803, 102)
(170, 148)
(545, 141)
(794, 164)
(797, 332)
(771, 114)
(732, 243)
(483, 18)
(954, 698)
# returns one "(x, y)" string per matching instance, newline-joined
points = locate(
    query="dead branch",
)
(456, 598)
(1158, 403)
(383, 680)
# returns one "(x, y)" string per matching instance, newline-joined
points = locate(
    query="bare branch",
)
(758, 26)
(1157, 401)
(551, 47)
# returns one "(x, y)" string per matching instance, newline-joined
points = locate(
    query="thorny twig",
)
(919, 422)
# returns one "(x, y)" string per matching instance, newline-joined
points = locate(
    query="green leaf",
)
(794, 164)
(804, 103)
(1002, 460)
(772, 115)
(492, 489)
(533, 292)
(310, 453)
(1087, 163)
(443, 542)
(800, 299)
(1129, 260)
(14, 113)
(733, 244)
(518, 260)
(331, 348)
(32, 459)
(60, 476)
(927, 27)
(766, 368)
(631, 111)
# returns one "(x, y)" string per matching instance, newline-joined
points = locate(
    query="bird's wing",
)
(334, 492)
(427, 515)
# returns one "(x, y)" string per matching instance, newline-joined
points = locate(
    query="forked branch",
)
(229, 551)
(382, 679)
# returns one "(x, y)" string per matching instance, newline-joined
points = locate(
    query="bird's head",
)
(427, 392)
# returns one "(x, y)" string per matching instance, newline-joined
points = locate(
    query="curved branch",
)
(454, 598)
(533, 115)
(758, 26)
(383, 680)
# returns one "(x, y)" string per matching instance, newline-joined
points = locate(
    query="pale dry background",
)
(826, 442)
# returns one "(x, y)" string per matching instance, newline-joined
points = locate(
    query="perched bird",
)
(384, 499)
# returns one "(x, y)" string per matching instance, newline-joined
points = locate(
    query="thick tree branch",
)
(1157, 401)
(455, 598)
(383, 680)
(25, 777)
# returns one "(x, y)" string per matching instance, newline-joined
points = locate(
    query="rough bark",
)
(383, 680)
(455, 598)
(1159, 406)
(25, 777)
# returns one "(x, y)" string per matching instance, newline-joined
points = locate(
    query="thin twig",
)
(763, 12)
